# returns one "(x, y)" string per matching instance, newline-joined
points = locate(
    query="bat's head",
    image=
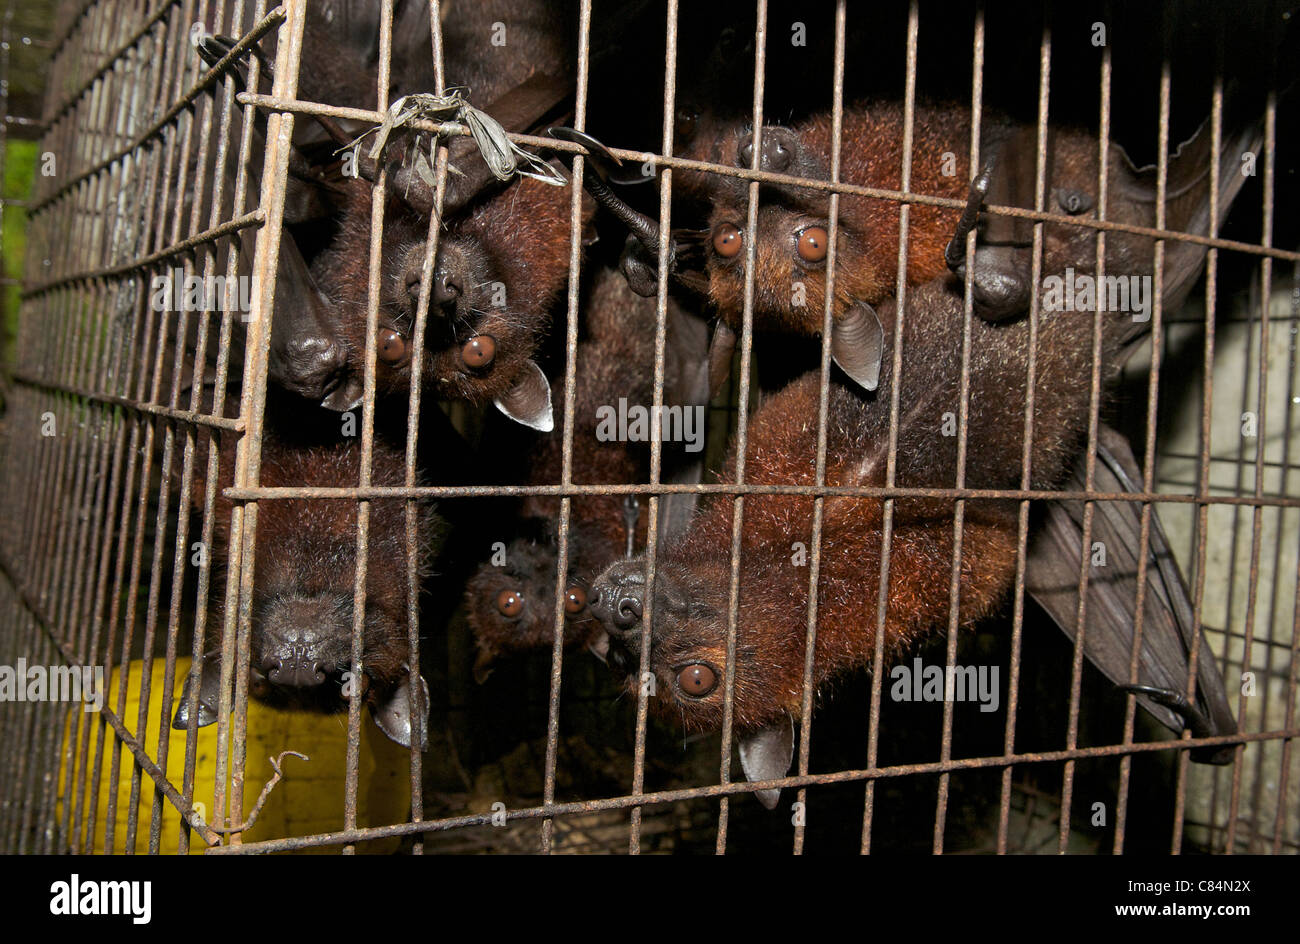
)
(303, 604)
(497, 272)
(511, 604)
(685, 675)
(792, 236)
(1004, 251)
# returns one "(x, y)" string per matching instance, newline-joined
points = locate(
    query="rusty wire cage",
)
(105, 424)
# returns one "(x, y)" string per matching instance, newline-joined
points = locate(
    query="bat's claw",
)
(1177, 702)
(631, 513)
(573, 135)
(955, 254)
(1194, 718)
(212, 49)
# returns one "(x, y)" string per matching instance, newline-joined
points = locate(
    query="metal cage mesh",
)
(103, 420)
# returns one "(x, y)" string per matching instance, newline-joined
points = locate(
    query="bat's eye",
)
(811, 244)
(392, 346)
(697, 680)
(728, 240)
(575, 600)
(479, 351)
(1074, 202)
(510, 602)
(684, 126)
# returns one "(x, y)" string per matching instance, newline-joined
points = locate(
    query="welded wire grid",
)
(96, 545)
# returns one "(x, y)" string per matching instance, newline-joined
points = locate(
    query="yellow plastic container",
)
(307, 800)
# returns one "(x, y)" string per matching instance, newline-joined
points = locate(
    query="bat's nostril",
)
(779, 148)
(628, 612)
(296, 670)
(413, 281)
(446, 288)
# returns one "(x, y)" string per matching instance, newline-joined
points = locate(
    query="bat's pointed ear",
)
(858, 345)
(394, 717)
(529, 400)
(209, 679)
(766, 755)
(346, 396)
(483, 665)
(599, 647)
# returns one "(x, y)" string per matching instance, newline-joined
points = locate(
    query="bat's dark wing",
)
(687, 361)
(306, 355)
(1052, 577)
(1187, 200)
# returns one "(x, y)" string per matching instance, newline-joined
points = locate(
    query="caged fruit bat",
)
(304, 355)
(793, 225)
(1002, 281)
(302, 608)
(512, 606)
(498, 271)
(689, 628)
(314, 349)
(502, 256)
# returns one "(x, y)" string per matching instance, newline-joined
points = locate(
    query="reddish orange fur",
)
(691, 598)
(867, 262)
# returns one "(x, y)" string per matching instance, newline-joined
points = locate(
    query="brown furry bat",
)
(793, 229)
(512, 606)
(303, 589)
(688, 633)
(790, 278)
(1002, 282)
(498, 270)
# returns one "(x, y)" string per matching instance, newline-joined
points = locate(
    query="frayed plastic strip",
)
(503, 157)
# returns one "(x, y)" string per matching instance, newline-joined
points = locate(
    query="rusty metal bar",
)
(741, 439)
(891, 463)
(732, 789)
(963, 415)
(815, 557)
(1027, 447)
(293, 106)
(252, 493)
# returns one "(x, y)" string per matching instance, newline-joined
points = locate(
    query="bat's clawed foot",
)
(640, 268)
(212, 49)
(1196, 722)
(641, 260)
(595, 149)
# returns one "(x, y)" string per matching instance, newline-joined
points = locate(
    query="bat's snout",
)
(299, 642)
(309, 364)
(780, 150)
(617, 597)
(294, 667)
